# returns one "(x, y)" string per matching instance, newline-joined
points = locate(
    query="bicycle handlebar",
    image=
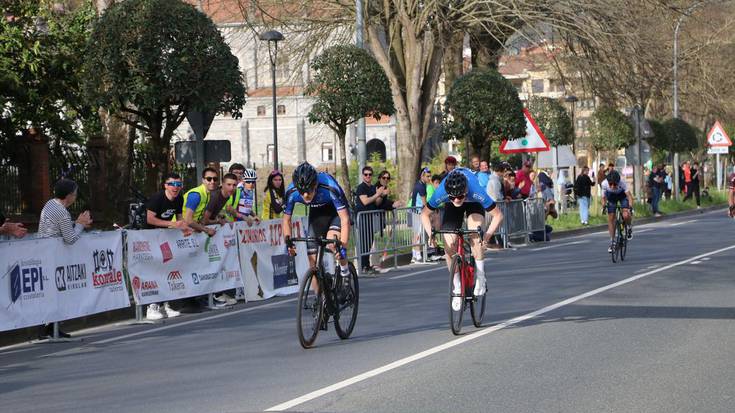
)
(320, 241)
(458, 231)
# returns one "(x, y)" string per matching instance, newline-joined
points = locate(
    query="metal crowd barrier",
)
(521, 217)
(384, 233)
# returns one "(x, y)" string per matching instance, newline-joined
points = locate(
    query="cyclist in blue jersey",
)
(329, 215)
(461, 195)
(614, 191)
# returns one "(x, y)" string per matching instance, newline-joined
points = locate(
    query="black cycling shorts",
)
(322, 220)
(453, 216)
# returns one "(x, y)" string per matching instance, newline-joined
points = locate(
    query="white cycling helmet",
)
(250, 175)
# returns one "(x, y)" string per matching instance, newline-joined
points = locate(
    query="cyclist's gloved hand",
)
(290, 247)
(342, 253)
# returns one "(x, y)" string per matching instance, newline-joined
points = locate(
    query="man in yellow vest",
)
(196, 200)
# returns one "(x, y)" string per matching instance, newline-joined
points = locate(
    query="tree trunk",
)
(344, 171)
(453, 60)
(117, 161)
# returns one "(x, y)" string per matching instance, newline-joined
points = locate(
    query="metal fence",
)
(11, 202)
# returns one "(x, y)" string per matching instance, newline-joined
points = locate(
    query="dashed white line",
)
(683, 222)
(473, 336)
(557, 246)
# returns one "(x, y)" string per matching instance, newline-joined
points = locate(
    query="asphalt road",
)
(566, 330)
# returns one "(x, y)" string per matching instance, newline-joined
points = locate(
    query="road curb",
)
(646, 220)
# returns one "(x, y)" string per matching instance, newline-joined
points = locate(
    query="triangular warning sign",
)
(534, 141)
(717, 136)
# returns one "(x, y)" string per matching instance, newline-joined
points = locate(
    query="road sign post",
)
(718, 143)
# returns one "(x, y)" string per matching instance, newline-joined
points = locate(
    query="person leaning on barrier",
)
(13, 229)
(388, 205)
(56, 221)
(494, 185)
(369, 198)
(275, 196)
(196, 200)
(163, 210)
(523, 179)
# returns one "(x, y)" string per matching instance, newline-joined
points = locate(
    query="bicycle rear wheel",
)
(310, 310)
(348, 298)
(455, 316)
(615, 243)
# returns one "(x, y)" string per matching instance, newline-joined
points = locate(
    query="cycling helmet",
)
(613, 178)
(304, 177)
(456, 184)
(249, 175)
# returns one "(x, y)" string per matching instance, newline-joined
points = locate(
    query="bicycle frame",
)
(466, 271)
(329, 287)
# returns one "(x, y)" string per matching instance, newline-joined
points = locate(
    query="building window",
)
(281, 109)
(537, 86)
(270, 154)
(556, 86)
(327, 152)
(261, 110)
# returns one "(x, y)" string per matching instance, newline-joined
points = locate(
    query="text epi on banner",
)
(267, 268)
(45, 280)
(165, 265)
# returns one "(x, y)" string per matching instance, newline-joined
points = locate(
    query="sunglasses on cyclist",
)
(177, 184)
(211, 178)
(459, 198)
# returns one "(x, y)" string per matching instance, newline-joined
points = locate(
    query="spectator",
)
(494, 185)
(221, 210)
(601, 173)
(731, 194)
(523, 180)
(244, 196)
(13, 229)
(484, 174)
(693, 184)
(435, 181)
(546, 187)
(388, 205)
(56, 221)
(275, 194)
(163, 210)
(684, 177)
(196, 200)
(475, 164)
(510, 192)
(438, 253)
(657, 183)
(669, 188)
(583, 191)
(450, 162)
(417, 201)
(534, 185)
(369, 198)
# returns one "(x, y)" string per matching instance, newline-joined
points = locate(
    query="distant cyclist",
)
(614, 192)
(329, 216)
(461, 195)
(731, 194)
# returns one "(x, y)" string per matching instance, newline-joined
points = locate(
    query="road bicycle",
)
(464, 263)
(620, 236)
(322, 295)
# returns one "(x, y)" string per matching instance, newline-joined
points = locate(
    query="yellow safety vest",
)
(203, 201)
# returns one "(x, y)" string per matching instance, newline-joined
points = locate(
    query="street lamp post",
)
(273, 37)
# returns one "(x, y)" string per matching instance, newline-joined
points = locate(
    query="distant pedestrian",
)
(417, 201)
(693, 183)
(731, 194)
(274, 196)
(583, 191)
(657, 183)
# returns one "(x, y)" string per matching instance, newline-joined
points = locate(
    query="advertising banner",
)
(165, 265)
(267, 268)
(44, 280)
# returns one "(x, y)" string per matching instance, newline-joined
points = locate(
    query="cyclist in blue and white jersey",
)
(614, 191)
(461, 195)
(329, 215)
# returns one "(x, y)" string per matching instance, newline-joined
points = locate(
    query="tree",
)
(151, 62)
(681, 136)
(553, 120)
(659, 142)
(349, 85)
(610, 130)
(481, 107)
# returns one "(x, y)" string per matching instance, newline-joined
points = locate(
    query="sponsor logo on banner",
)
(144, 288)
(71, 277)
(142, 251)
(232, 275)
(175, 281)
(189, 243)
(197, 278)
(166, 252)
(253, 236)
(212, 251)
(284, 271)
(105, 275)
(26, 280)
(230, 240)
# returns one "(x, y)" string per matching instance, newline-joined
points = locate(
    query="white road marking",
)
(557, 245)
(706, 259)
(696, 262)
(473, 336)
(641, 231)
(170, 326)
(398, 277)
(683, 222)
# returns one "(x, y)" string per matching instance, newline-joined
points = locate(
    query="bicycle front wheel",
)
(456, 311)
(623, 242)
(348, 298)
(310, 310)
(615, 244)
